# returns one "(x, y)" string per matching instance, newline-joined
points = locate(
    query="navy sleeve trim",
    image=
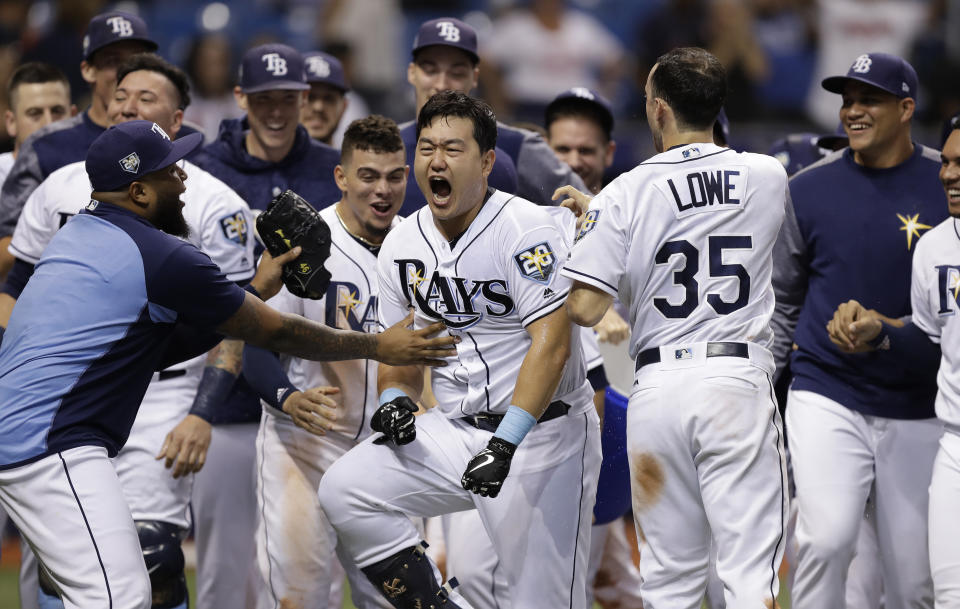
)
(17, 278)
(266, 376)
(589, 278)
(545, 310)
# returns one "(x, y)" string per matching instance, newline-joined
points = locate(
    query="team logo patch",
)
(691, 153)
(912, 226)
(130, 163)
(318, 66)
(861, 65)
(537, 263)
(234, 227)
(276, 64)
(589, 223)
(92, 205)
(683, 354)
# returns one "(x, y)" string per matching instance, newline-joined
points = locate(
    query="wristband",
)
(390, 394)
(515, 425)
(215, 386)
(249, 287)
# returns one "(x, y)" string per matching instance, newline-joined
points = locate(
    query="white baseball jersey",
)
(684, 240)
(220, 221)
(500, 276)
(935, 300)
(349, 304)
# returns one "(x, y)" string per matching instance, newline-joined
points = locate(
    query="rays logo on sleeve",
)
(589, 223)
(537, 263)
(234, 227)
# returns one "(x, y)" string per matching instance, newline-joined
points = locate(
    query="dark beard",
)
(169, 217)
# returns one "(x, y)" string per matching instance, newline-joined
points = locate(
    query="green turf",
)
(9, 597)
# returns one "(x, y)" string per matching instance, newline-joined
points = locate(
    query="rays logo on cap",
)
(448, 31)
(862, 64)
(159, 131)
(318, 66)
(121, 26)
(276, 64)
(130, 163)
(582, 92)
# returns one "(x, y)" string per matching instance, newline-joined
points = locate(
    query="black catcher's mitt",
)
(291, 221)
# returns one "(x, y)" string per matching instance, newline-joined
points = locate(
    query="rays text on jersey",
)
(456, 301)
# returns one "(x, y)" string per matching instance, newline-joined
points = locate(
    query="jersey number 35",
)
(686, 276)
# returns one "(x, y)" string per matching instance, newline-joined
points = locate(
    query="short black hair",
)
(34, 73)
(374, 133)
(154, 63)
(576, 107)
(694, 84)
(458, 105)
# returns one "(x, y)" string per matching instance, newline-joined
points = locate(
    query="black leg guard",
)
(406, 579)
(160, 542)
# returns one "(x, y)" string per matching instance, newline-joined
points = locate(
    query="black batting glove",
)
(489, 468)
(395, 421)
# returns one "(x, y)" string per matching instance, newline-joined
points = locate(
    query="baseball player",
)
(72, 377)
(445, 57)
(259, 156)
(150, 88)
(38, 94)
(703, 431)
(334, 400)
(327, 100)
(514, 416)
(934, 302)
(110, 38)
(856, 424)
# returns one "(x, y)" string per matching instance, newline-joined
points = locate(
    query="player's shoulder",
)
(56, 131)
(72, 175)
(938, 239)
(829, 165)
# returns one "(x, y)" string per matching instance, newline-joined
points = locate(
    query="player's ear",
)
(486, 162)
(140, 193)
(907, 108)
(11, 122)
(177, 122)
(88, 71)
(411, 71)
(340, 177)
(241, 98)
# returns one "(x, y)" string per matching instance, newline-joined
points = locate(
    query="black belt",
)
(166, 375)
(652, 356)
(489, 421)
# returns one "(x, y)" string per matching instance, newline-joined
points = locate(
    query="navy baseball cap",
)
(128, 151)
(448, 32)
(325, 68)
(881, 70)
(948, 127)
(269, 67)
(581, 96)
(115, 26)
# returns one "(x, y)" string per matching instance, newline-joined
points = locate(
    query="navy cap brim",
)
(470, 54)
(182, 146)
(321, 81)
(151, 45)
(278, 85)
(835, 84)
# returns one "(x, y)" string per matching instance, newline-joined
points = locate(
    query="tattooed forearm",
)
(228, 355)
(310, 340)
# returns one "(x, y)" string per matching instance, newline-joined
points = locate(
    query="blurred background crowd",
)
(776, 52)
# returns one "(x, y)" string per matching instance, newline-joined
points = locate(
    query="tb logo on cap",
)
(318, 66)
(276, 65)
(121, 26)
(582, 92)
(862, 64)
(159, 131)
(448, 31)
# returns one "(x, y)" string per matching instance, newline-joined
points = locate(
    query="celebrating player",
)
(445, 58)
(72, 376)
(327, 99)
(259, 156)
(150, 88)
(934, 302)
(486, 264)
(110, 38)
(703, 431)
(857, 424)
(296, 555)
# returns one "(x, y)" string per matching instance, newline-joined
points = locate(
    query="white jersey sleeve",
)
(50, 205)
(532, 271)
(925, 286)
(220, 222)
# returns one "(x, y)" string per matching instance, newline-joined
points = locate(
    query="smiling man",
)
(327, 100)
(486, 263)
(307, 425)
(857, 423)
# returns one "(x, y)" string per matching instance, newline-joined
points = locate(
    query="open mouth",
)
(440, 188)
(381, 207)
(857, 127)
(953, 194)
